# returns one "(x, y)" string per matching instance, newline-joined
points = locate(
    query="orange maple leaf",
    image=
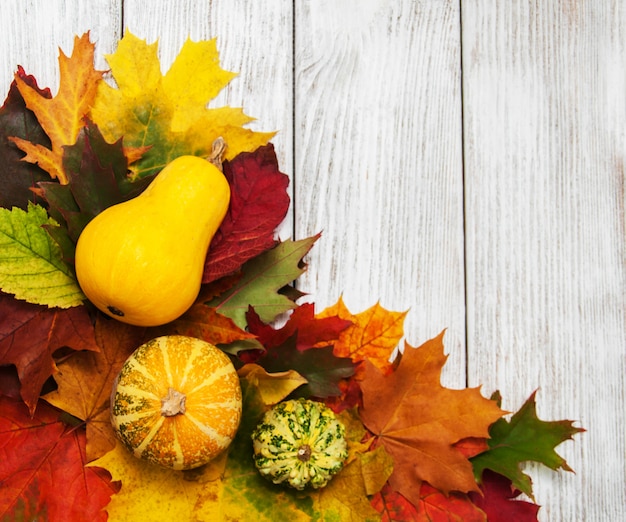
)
(205, 323)
(419, 421)
(85, 381)
(373, 335)
(61, 117)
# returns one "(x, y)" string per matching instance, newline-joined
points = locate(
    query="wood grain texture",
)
(544, 122)
(254, 39)
(378, 161)
(33, 31)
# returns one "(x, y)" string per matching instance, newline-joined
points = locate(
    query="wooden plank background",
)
(464, 161)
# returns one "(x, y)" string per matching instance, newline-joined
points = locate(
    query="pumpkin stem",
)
(304, 453)
(173, 403)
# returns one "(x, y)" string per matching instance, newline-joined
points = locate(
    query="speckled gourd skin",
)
(299, 443)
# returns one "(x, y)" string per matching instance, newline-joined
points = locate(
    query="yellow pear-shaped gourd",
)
(141, 261)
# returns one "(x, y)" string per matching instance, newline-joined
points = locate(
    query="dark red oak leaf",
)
(259, 203)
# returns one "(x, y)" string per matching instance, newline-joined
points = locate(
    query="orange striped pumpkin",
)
(176, 402)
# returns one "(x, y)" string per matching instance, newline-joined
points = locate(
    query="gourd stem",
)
(173, 403)
(304, 453)
(218, 148)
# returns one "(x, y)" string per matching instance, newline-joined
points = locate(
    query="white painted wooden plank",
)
(378, 161)
(545, 118)
(31, 33)
(254, 39)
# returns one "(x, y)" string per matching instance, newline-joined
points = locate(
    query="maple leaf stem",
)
(73, 423)
(63, 358)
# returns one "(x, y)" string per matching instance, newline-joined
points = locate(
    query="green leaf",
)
(319, 366)
(525, 438)
(31, 263)
(261, 281)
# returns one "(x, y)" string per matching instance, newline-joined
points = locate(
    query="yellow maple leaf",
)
(346, 496)
(153, 493)
(272, 387)
(373, 335)
(61, 116)
(169, 113)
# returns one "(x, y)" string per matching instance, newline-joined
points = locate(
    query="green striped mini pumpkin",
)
(299, 443)
(176, 402)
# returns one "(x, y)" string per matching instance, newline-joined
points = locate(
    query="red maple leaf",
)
(472, 446)
(433, 506)
(259, 203)
(499, 500)
(311, 331)
(350, 395)
(42, 473)
(29, 336)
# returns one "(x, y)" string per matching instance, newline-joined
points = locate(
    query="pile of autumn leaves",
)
(418, 451)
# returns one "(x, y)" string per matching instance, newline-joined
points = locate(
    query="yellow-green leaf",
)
(262, 278)
(153, 494)
(31, 263)
(168, 113)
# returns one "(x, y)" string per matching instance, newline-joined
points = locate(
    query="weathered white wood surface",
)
(544, 88)
(379, 161)
(465, 162)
